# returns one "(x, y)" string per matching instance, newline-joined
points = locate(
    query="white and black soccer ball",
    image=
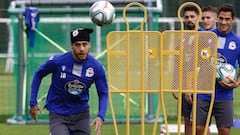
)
(102, 13)
(223, 70)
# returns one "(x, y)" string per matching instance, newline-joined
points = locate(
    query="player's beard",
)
(80, 56)
(190, 26)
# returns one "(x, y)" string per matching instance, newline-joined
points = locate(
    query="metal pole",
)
(21, 65)
(150, 96)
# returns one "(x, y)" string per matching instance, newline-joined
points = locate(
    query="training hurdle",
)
(149, 62)
(127, 53)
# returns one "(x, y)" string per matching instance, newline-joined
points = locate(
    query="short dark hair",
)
(226, 8)
(191, 8)
(209, 8)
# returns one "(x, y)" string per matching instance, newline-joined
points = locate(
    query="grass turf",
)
(106, 130)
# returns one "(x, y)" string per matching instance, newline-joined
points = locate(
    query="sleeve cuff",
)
(101, 117)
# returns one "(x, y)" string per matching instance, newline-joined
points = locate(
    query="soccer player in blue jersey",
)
(209, 20)
(228, 52)
(209, 17)
(72, 75)
(190, 16)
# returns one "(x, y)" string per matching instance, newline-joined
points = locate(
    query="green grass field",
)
(107, 130)
(43, 129)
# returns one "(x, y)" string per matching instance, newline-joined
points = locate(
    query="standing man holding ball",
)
(228, 52)
(73, 73)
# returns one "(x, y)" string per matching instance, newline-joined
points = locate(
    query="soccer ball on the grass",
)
(102, 13)
(223, 70)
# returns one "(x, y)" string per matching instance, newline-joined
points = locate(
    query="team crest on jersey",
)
(89, 72)
(232, 45)
(205, 53)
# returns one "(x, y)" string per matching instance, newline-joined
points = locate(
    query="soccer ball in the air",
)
(102, 13)
(223, 70)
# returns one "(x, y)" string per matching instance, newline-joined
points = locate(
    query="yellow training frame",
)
(143, 62)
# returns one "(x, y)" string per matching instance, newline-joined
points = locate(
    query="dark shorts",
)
(222, 111)
(186, 107)
(77, 124)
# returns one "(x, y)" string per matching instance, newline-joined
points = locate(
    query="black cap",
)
(81, 34)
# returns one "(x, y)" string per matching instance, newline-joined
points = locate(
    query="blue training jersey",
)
(69, 89)
(228, 52)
